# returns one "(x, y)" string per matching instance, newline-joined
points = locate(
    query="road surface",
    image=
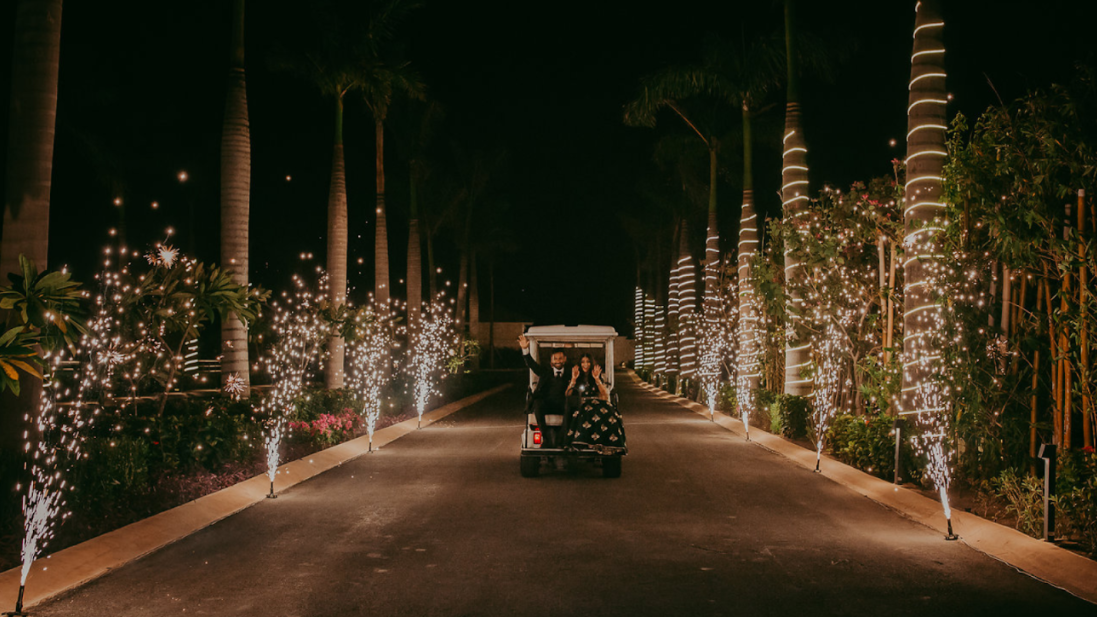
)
(441, 523)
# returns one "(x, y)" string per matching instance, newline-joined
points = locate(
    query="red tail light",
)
(536, 438)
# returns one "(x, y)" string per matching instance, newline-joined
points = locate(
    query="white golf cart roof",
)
(570, 333)
(573, 337)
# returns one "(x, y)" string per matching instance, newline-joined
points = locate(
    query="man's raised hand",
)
(523, 342)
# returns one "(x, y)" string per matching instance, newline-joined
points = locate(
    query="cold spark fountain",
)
(432, 346)
(828, 349)
(300, 332)
(371, 358)
(64, 415)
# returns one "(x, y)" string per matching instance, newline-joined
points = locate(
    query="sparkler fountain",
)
(828, 349)
(300, 334)
(371, 358)
(60, 430)
(431, 347)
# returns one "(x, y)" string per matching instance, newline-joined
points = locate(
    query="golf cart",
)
(573, 341)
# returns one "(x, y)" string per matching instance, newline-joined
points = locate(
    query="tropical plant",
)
(44, 312)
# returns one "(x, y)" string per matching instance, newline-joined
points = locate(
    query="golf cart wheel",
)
(531, 466)
(611, 467)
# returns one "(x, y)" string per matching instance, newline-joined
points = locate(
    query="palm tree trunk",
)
(381, 288)
(712, 240)
(749, 371)
(491, 317)
(415, 258)
(687, 306)
(235, 200)
(925, 158)
(432, 275)
(794, 189)
(474, 308)
(31, 123)
(462, 277)
(461, 317)
(337, 247)
(673, 306)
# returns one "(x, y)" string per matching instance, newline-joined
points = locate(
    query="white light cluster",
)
(371, 358)
(300, 333)
(432, 346)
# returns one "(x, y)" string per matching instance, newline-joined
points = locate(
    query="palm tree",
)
(328, 64)
(31, 122)
(380, 81)
(414, 130)
(740, 75)
(925, 160)
(477, 171)
(794, 189)
(235, 199)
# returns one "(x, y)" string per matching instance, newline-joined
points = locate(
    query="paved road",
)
(440, 523)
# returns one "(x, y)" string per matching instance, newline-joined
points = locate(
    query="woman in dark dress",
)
(594, 423)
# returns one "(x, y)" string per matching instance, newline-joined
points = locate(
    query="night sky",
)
(142, 89)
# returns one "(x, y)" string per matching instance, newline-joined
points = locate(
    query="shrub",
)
(867, 442)
(1076, 498)
(315, 402)
(790, 415)
(1024, 498)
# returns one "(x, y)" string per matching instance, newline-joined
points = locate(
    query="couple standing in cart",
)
(581, 397)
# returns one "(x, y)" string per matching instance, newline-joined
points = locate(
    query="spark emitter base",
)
(18, 612)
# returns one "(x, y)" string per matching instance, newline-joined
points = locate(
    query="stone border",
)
(1042, 560)
(79, 564)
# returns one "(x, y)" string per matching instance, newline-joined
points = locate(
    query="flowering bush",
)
(328, 429)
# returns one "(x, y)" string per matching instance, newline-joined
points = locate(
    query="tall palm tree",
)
(740, 74)
(31, 123)
(382, 79)
(794, 194)
(235, 199)
(926, 122)
(327, 62)
(414, 130)
(477, 169)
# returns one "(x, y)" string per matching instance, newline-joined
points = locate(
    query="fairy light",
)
(235, 386)
(639, 342)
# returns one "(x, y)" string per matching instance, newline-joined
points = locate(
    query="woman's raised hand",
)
(575, 372)
(597, 371)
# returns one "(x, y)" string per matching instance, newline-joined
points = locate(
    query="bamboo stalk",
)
(1064, 347)
(1032, 413)
(1017, 307)
(1083, 339)
(1007, 299)
(1054, 352)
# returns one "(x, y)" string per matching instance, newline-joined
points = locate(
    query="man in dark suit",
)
(550, 394)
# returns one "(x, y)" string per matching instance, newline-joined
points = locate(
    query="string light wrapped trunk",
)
(922, 394)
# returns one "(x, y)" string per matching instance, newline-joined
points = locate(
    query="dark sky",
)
(141, 97)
